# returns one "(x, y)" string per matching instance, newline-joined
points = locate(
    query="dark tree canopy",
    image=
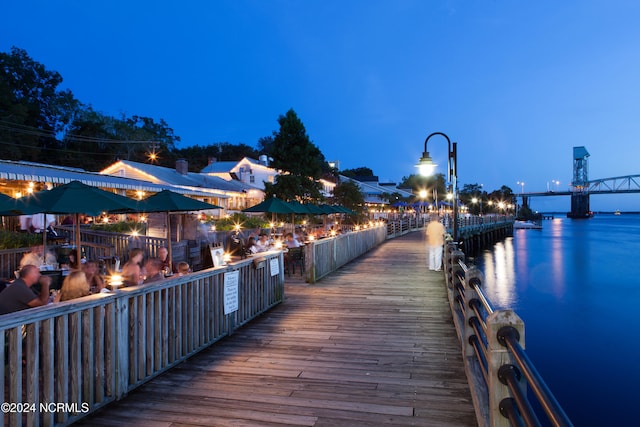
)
(300, 159)
(418, 183)
(265, 145)
(348, 194)
(33, 110)
(293, 151)
(41, 122)
(356, 172)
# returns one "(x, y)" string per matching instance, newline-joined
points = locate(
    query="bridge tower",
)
(580, 184)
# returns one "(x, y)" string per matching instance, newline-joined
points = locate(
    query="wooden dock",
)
(372, 344)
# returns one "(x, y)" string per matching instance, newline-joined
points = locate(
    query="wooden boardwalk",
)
(371, 344)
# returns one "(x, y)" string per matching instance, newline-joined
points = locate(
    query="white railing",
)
(66, 360)
(327, 255)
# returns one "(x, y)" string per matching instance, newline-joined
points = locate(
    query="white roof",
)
(38, 172)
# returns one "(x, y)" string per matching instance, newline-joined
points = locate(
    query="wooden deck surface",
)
(372, 344)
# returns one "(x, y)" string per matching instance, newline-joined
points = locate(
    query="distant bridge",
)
(581, 187)
(615, 185)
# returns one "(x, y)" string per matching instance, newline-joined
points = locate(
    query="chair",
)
(295, 257)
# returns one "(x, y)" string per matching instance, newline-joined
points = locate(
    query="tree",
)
(133, 138)
(418, 183)
(265, 145)
(470, 192)
(357, 172)
(504, 195)
(232, 152)
(348, 194)
(199, 156)
(33, 110)
(300, 160)
(40, 122)
(394, 197)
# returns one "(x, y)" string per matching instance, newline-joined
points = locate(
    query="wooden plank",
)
(32, 357)
(99, 349)
(75, 357)
(88, 357)
(62, 364)
(371, 344)
(15, 373)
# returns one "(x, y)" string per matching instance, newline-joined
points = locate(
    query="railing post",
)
(497, 357)
(122, 345)
(472, 276)
(452, 268)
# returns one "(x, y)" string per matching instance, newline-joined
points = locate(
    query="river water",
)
(576, 285)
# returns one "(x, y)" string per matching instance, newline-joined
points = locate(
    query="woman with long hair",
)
(75, 285)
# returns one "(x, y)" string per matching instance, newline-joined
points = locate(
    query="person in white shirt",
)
(41, 222)
(291, 241)
(435, 242)
(263, 243)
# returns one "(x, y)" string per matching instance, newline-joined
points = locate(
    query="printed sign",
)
(274, 263)
(231, 291)
(217, 256)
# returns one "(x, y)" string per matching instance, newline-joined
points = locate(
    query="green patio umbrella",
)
(73, 198)
(169, 201)
(300, 208)
(7, 205)
(315, 209)
(271, 205)
(345, 210)
(328, 209)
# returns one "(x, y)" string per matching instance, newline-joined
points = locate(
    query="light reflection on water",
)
(499, 273)
(576, 286)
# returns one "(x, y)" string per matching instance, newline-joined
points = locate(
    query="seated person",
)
(19, 295)
(153, 267)
(75, 285)
(263, 243)
(183, 268)
(34, 257)
(132, 271)
(251, 247)
(167, 264)
(95, 279)
(41, 222)
(73, 263)
(3, 284)
(291, 241)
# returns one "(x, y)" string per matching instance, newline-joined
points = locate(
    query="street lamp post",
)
(427, 167)
(423, 197)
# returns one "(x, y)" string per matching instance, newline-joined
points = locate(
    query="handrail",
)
(494, 354)
(510, 339)
(88, 352)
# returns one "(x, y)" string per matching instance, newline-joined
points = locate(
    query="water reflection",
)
(575, 285)
(499, 271)
(557, 258)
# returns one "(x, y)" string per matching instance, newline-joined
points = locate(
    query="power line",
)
(66, 150)
(33, 131)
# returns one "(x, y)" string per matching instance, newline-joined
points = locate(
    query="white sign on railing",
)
(231, 291)
(274, 264)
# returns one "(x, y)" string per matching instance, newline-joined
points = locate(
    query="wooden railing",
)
(327, 255)
(66, 360)
(403, 226)
(120, 242)
(9, 261)
(498, 369)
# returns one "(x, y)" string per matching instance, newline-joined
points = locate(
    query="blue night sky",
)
(516, 83)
